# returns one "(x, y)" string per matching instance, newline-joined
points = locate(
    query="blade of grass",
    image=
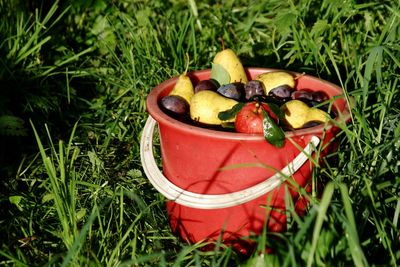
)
(351, 229)
(80, 239)
(12, 259)
(322, 210)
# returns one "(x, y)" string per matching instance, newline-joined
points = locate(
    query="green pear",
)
(183, 88)
(206, 105)
(275, 79)
(228, 60)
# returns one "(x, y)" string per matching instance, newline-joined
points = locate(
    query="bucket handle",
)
(217, 201)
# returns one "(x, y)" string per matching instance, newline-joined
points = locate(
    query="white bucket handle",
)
(203, 201)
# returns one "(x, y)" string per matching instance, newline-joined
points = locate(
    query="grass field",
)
(73, 84)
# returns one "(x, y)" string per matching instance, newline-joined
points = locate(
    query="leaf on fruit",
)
(276, 110)
(230, 113)
(228, 125)
(220, 74)
(272, 132)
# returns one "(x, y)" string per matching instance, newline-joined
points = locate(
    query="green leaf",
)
(104, 32)
(220, 74)
(284, 22)
(230, 113)
(272, 132)
(228, 125)
(12, 126)
(16, 200)
(276, 110)
(47, 197)
(397, 131)
(80, 214)
(397, 136)
(320, 26)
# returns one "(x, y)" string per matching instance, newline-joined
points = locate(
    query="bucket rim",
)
(152, 106)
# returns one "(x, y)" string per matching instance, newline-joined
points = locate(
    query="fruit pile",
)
(269, 104)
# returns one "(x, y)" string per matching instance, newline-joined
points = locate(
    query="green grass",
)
(73, 83)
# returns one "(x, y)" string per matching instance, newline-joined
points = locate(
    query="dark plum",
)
(319, 96)
(302, 95)
(210, 84)
(281, 93)
(265, 99)
(254, 88)
(311, 98)
(175, 106)
(232, 90)
(311, 124)
(312, 103)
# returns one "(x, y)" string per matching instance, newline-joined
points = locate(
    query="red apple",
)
(250, 118)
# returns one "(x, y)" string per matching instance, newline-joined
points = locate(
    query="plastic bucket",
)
(225, 185)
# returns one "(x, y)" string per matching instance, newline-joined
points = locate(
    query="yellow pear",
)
(275, 79)
(232, 64)
(183, 87)
(297, 114)
(206, 105)
(316, 114)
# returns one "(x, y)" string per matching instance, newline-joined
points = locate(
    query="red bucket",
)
(225, 185)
